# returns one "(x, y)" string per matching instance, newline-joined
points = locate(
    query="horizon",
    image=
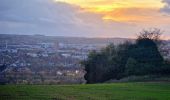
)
(132, 38)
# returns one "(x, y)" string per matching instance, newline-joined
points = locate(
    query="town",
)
(43, 61)
(48, 60)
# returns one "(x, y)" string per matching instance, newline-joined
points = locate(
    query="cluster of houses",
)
(47, 62)
(42, 59)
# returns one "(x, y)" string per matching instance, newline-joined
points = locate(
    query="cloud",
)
(53, 18)
(60, 19)
(166, 1)
(166, 8)
(36, 16)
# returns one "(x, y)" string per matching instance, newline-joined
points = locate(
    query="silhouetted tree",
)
(130, 67)
(152, 34)
(116, 62)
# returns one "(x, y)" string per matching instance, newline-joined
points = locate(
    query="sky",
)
(84, 18)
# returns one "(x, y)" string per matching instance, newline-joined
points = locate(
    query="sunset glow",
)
(104, 4)
(84, 18)
(117, 10)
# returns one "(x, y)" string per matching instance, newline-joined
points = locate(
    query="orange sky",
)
(108, 4)
(121, 10)
(84, 18)
(142, 13)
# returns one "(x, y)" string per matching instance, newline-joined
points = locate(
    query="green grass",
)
(115, 91)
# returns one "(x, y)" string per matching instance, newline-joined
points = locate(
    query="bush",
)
(116, 62)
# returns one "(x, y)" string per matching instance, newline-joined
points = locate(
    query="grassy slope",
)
(117, 91)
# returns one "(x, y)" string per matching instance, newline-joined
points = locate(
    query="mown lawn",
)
(115, 91)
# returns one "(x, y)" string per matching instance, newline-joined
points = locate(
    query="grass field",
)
(115, 91)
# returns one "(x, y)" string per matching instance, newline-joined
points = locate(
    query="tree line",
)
(141, 57)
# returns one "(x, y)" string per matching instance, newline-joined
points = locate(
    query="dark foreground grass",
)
(116, 91)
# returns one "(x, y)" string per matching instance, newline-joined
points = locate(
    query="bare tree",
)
(153, 34)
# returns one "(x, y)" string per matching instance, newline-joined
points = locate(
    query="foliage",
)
(130, 68)
(152, 34)
(116, 62)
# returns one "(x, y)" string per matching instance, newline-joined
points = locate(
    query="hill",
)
(28, 39)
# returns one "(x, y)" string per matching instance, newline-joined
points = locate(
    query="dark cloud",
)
(166, 8)
(166, 1)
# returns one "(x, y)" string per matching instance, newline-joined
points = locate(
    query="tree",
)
(146, 50)
(92, 67)
(132, 67)
(99, 66)
(152, 34)
(107, 64)
(165, 69)
(116, 62)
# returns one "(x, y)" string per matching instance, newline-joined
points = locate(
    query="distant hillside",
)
(31, 39)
